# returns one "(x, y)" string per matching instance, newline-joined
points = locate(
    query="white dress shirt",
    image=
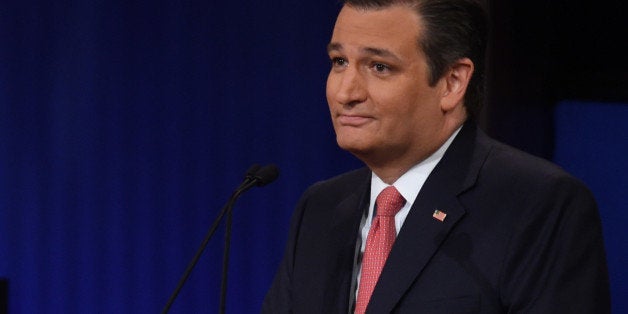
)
(409, 185)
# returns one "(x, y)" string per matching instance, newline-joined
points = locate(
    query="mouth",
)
(353, 120)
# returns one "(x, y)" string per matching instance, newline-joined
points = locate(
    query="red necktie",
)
(378, 243)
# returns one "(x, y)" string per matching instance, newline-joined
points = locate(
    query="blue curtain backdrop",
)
(124, 127)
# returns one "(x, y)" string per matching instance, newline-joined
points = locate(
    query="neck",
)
(390, 169)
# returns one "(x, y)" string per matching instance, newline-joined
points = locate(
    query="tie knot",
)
(389, 202)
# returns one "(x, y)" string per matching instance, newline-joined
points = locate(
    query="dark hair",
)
(453, 29)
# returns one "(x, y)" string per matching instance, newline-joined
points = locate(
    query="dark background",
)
(125, 125)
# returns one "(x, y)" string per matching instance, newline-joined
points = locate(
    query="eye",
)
(380, 67)
(338, 62)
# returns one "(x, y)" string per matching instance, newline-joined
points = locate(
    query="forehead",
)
(394, 28)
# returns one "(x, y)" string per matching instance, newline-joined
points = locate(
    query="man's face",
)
(382, 107)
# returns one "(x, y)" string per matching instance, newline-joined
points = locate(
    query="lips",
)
(353, 120)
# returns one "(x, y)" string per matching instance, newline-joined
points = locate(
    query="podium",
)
(4, 296)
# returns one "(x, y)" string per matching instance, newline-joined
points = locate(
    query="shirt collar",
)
(410, 183)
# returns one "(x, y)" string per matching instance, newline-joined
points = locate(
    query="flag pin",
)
(439, 215)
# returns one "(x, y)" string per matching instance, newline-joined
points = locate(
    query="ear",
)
(456, 81)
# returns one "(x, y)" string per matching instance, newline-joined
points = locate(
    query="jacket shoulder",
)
(340, 184)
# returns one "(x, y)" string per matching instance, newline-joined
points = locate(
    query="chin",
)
(355, 147)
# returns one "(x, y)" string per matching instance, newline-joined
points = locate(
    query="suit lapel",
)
(344, 231)
(422, 234)
(350, 209)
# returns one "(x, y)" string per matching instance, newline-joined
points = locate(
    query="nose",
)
(348, 87)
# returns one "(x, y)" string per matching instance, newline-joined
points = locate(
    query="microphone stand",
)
(259, 176)
(225, 263)
(245, 186)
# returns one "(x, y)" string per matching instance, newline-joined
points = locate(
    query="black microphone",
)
(250, 174)
(266, 174)
(255, 175)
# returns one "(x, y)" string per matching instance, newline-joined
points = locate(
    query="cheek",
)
(406, 111)
(328, 94)
(395, 102)
(332, 82)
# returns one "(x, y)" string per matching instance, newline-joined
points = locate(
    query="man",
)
(480, 227)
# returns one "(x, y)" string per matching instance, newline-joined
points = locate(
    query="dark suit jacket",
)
(520, 236)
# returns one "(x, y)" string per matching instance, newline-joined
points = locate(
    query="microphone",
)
(266, 174)
(255, 176)
(250, 174)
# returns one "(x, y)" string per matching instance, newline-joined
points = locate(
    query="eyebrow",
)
(384, 53)
(334, 47)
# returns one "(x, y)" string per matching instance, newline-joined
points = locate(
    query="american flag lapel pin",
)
(439, 215)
